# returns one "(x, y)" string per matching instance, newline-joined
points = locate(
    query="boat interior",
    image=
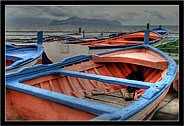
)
(118, 66)
(162, 33)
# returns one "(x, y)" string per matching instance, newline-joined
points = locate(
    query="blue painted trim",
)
(63, 99)
(42, 68)
(9, 46)
(11, 40)
(80, 29)
(12, 58)
(105, 79)
(146, 35)
(19, 63)
(115, 46)
(39, 38)
(101, 78)
(24, 61)
(161, 30)
(148, 97)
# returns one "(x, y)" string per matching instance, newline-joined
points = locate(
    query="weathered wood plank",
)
(106, 103)
(159, 64)
(82, 66)
(109, 99)
(114, 99)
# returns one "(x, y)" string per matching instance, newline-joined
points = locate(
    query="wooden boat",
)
(163, 32)
(70, 37)
(58, 51)
(88, 87)
(19, 57)
(75, 37)
(63, 39)
(176, 83)
(120, 40)
(55, 51)
(17, 40)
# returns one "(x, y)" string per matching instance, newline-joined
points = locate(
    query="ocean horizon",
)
(30, 31)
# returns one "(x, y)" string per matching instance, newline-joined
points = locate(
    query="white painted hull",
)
(57, 51)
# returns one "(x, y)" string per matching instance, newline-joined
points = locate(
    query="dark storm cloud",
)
(176, 15)
(129, 16)
(157, 14)
(57, 11)
(124, 14)
(146, 11)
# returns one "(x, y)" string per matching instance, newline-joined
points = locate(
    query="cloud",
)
(157, 14)
(124, 14)
(128, 16)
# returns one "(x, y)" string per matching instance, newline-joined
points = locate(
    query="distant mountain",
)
(84, 21)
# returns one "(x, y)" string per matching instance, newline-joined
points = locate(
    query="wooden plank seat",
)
(139, 58)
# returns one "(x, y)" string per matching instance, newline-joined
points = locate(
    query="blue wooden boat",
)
(18, 57)
(106, 86)
(73, 36)
(163, 32)
(120, 40)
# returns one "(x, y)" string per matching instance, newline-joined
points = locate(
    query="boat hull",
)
(19, 57)
(34, 62)
(29, 107)
(148, 112)
(18, 105)
(71, 73)
(56, 51)
(176, 83)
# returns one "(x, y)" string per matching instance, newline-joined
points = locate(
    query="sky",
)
(126, 15)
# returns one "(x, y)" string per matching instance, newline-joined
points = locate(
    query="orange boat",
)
(57, 51)
(120, 40)
(113, 41)
(125, 84)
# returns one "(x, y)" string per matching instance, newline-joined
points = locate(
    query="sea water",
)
(30, 31)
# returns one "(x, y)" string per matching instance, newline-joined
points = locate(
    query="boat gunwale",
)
(167, 32)
(96, 47)
(82, 104)
(23, 61)
(165, 83)
(147, 97)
